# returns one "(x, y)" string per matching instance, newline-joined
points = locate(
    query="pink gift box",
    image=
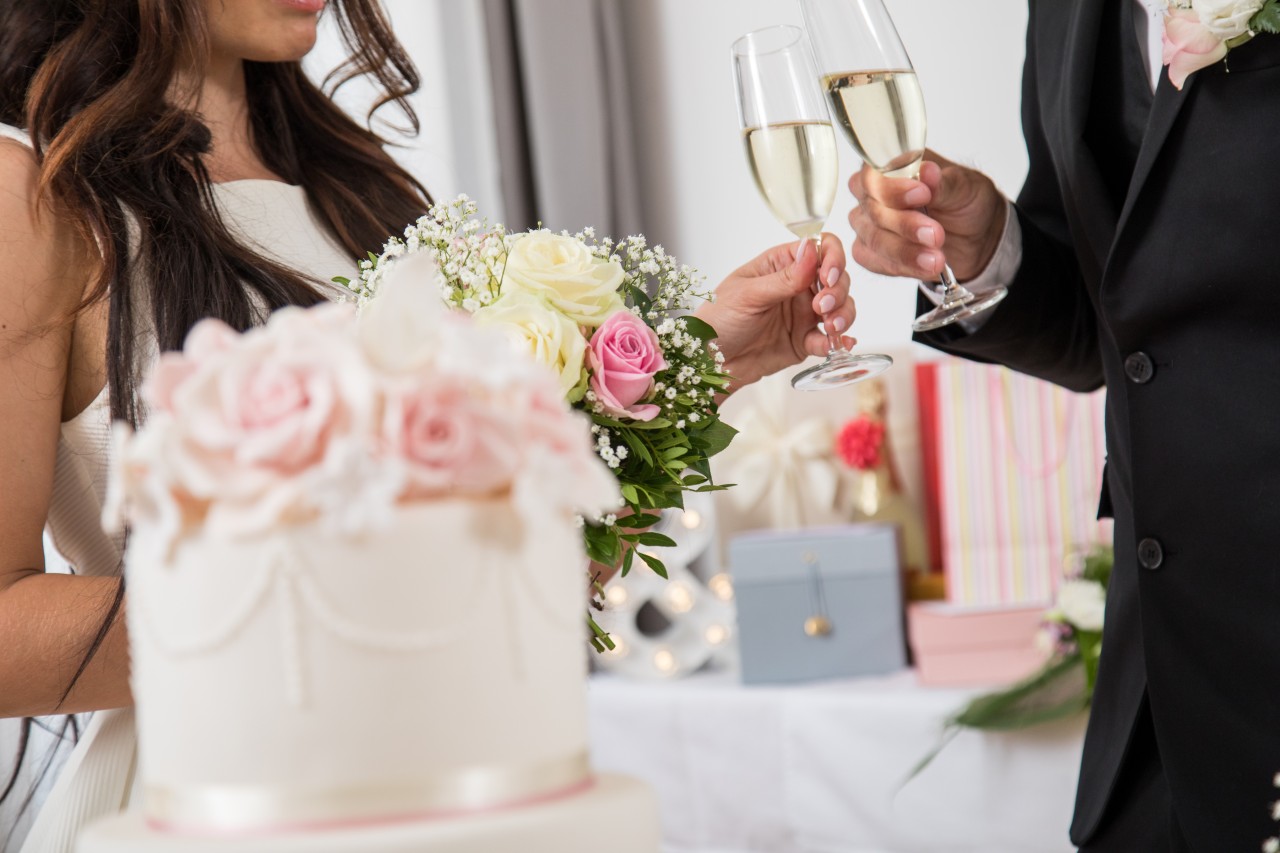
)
(958, 646)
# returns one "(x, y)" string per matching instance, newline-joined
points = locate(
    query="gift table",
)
(821, 768)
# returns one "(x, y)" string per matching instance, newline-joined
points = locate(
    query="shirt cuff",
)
(999, 272)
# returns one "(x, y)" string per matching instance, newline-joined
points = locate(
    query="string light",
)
(617, 594)
(721, 586)
(691, 519)
(664, 660)
(679, 597)
(716, 634)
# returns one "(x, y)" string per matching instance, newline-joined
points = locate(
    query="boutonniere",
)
(1198, 33)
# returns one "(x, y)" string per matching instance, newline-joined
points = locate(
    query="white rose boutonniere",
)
(564, 272)
(1199, 33)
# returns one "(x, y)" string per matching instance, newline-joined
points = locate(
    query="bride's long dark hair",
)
(89, 80)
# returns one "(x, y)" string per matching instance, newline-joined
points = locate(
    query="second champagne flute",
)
(791, 146)
(876, 97)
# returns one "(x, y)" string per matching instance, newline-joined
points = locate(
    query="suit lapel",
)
(1095, 213)
(1164, 112)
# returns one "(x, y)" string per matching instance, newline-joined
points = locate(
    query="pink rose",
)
(250, 418)
(624, 356)
(452, 441)
(1189, 45)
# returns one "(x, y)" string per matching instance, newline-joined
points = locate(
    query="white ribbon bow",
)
(789, 464)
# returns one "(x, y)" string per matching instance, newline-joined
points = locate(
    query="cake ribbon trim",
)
(248, 809)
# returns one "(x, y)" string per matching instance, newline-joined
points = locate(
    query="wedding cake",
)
(355, 596)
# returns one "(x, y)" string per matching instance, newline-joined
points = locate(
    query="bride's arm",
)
(766, 313)
(47, 621)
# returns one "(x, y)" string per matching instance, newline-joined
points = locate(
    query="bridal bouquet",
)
(610, 320)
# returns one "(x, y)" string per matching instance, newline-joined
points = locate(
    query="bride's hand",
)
(766, 314)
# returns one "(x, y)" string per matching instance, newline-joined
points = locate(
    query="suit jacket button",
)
(1150, 554)
(1139, 368)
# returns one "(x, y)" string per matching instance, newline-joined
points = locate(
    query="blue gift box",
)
(818, 603)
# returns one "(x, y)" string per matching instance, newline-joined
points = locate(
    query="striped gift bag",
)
(1013, 470)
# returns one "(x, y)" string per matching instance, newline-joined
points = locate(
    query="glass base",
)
(841, 368)
(945, 315)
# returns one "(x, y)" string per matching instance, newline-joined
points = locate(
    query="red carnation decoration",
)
(859, 443)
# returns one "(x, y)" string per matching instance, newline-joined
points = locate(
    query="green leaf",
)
(1057, 691)
(637, 446)
(715, 438)
(342, 280)
(659, 568)
(693, 480)
(1268, 18)
(700, 328)
(630, 494)
(657, 540)
(639, 521)
(627, 561)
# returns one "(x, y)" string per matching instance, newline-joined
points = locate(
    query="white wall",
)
(445, 39)
(700, 199)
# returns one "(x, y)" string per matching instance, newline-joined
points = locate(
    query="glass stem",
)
(835, 343)
(953, 292)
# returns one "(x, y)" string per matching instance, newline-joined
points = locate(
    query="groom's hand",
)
(766, 313)
(896, 237)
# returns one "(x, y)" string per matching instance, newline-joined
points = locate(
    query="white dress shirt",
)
(1000, 270)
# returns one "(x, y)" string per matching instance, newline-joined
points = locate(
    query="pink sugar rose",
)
(1189, 45)
(452, 442)
(623, 358)
(250, 417)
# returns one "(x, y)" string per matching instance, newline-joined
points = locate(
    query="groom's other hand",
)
(766, 313)
(896, 237)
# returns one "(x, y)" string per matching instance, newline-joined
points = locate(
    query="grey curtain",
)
(563, 114)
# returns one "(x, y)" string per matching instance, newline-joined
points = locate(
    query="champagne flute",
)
(791, 146)
(874, 94)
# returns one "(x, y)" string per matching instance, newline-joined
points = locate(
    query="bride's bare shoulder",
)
(41, 249)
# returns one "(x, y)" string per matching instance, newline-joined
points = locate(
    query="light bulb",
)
(716, 634)
(721, 586)
(616, 594)
(679, 598)
(691, 519)
(664, 660)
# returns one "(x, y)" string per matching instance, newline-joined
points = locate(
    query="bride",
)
(163, 161)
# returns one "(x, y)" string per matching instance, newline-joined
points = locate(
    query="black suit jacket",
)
(1172, 301)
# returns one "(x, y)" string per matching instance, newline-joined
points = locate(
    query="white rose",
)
(547, 336)
(564, 272)
(1226, 19)
(1082, 604)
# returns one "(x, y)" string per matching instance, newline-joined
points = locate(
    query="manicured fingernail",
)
(927, 261)
(927, 235)
(833, 277)
(840, 324)
(802, 252)
(917, 196)
(826, 304)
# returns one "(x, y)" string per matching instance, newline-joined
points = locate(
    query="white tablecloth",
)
(820, 768)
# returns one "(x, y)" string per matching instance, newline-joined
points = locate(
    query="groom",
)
(1143, 253)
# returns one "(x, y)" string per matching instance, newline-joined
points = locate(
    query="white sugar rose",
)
(1226, 19)
(562, 271)
(1082, 604)
(544, 335)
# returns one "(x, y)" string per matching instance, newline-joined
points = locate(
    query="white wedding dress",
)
(97, 778)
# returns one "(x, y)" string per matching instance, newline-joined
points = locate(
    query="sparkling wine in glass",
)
(873, 93)
(791, 146)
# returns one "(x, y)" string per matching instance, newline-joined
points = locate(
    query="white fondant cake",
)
(356, 597)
